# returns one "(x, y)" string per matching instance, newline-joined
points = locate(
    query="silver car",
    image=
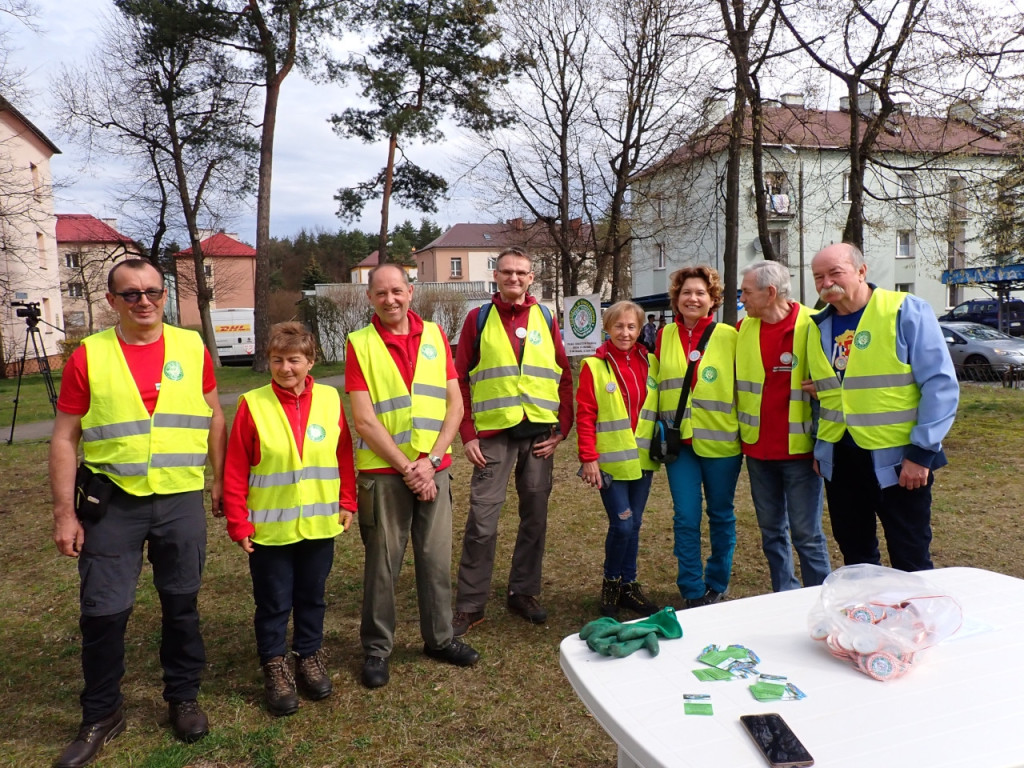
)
(980, 352)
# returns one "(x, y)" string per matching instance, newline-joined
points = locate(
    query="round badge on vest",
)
(786, 358)
(609, 387)
(521, 333)
(694, 356)
(840, 364)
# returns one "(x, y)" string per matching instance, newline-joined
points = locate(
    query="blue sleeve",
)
(919, 342)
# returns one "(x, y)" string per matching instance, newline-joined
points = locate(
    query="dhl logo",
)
(232, 328)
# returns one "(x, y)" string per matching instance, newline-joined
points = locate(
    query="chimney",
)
(844, 103)
(516, 224)
(714, 110)
(966, 109)
(867, 102)
(112, 223)
(793, 99)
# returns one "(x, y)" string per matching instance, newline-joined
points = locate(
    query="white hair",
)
(768, 273)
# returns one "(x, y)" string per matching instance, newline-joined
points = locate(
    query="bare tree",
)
(444, 306)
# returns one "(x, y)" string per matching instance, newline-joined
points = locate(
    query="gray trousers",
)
(388, 513)
(486, 498)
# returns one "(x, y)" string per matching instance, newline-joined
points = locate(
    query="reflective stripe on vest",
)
(878, 397)
(623, 453)
(163, 453)
(413, 419)
(501, 390)
(292, 498)
(750, 376)
(710, 414)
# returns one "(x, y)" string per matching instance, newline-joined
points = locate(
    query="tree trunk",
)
(730, 252)
(389, 180)
(261, 289)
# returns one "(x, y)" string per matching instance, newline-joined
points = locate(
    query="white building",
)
(925, 195)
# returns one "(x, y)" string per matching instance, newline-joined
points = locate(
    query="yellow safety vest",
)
(709, 418)
(750, 381)
(412, 419)
(501, 389)
(623, 452)
(877, 398)
(292, 497)
(163, 453)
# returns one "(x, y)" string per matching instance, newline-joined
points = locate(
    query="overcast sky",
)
(310, 161)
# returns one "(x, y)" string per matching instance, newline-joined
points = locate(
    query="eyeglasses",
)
(514, 273)
(133, 297)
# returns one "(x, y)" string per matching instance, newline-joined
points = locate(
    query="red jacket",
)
(512, 316)
(244, 453)
(630, 370)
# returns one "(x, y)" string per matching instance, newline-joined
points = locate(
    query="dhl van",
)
(235, 332)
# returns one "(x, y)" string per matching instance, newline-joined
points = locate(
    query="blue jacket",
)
(919, 343)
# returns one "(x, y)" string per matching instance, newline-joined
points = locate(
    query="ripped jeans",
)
(624, 501)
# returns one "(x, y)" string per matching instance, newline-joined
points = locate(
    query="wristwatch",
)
(435, 462)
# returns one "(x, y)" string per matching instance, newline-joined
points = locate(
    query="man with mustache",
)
(888, 392)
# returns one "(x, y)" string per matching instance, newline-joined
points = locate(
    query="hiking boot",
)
(611, 592)
(459, 654)
(311, 675)
(375, 672)
(279, 687)
(463, 621)
(188, 720)
(527, 607)
(633, 599)
(91, 739)
(708, 598)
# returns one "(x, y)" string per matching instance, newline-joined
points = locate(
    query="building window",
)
(41, 249)
(775, 184)
(780, 244)
(492, 262)
(547, 289)
(905, 244)
(661, 257)
(907, 188)
(492, 287)
(660, 203)
(73, 260)
(208, 271)
(37, 184)
(846, 187)
(905, 287)
(958, 199)
(76, 290)
(76, 319)
(457, 267)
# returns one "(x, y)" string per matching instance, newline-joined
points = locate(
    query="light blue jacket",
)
(919, 343)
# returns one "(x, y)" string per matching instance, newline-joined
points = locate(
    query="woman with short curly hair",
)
(709, 457)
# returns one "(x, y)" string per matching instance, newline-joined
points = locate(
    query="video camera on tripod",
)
(33, 316)
(27, 309)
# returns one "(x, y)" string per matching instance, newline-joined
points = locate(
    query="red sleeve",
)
(74, 384)
(586, 417)
(354, 379)
(565, 415)
(346, 466)
(209, 379)
(463, 358)
(242, 454)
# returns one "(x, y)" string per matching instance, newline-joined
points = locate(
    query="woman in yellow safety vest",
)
(616, 408)
(709, 456)
(289, 488)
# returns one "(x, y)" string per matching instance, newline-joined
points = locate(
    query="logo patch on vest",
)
(173, 370)
(651, 383)
(862, 340)
(429, 351)
(709, 374)
(534, 337)
(316, 433)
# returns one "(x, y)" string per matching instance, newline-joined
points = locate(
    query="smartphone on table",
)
(779, 745)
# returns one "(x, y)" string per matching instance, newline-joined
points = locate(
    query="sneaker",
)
(91, 738)
(188, 720)
(375, 672)
(633, 599)
(311, 675)
(459, 654)
(463, 621)
(611, 594)
(527, 607)
(708, 598)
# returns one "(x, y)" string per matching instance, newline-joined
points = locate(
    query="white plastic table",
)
(961, 705)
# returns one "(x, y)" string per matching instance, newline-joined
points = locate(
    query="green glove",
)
(610, 637)
(622, 649)
(600, 634)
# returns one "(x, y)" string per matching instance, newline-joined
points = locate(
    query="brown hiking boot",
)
(633, 599)
(311, 675)
(279, 686)
(527, 607)
(463, 621)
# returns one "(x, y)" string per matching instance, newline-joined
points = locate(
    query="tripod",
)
(42, 362)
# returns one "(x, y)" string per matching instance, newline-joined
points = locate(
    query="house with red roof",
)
(87, 247)
(361, 271)
(230, 269)
(28, 246)
(925, 203)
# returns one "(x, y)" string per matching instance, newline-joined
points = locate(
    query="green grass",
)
(514, 708)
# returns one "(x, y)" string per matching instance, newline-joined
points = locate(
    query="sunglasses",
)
(134, 297)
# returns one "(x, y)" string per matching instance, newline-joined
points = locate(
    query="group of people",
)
(869, 373)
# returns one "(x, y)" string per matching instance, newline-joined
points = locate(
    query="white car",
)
(981, 352)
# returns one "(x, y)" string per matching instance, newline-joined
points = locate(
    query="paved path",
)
(41, 430)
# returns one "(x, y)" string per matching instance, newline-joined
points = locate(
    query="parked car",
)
(984, 311)
(980, 352)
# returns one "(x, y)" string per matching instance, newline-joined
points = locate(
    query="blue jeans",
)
(788, 497)
(624, 501)
(718, 476)
(289, 580)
